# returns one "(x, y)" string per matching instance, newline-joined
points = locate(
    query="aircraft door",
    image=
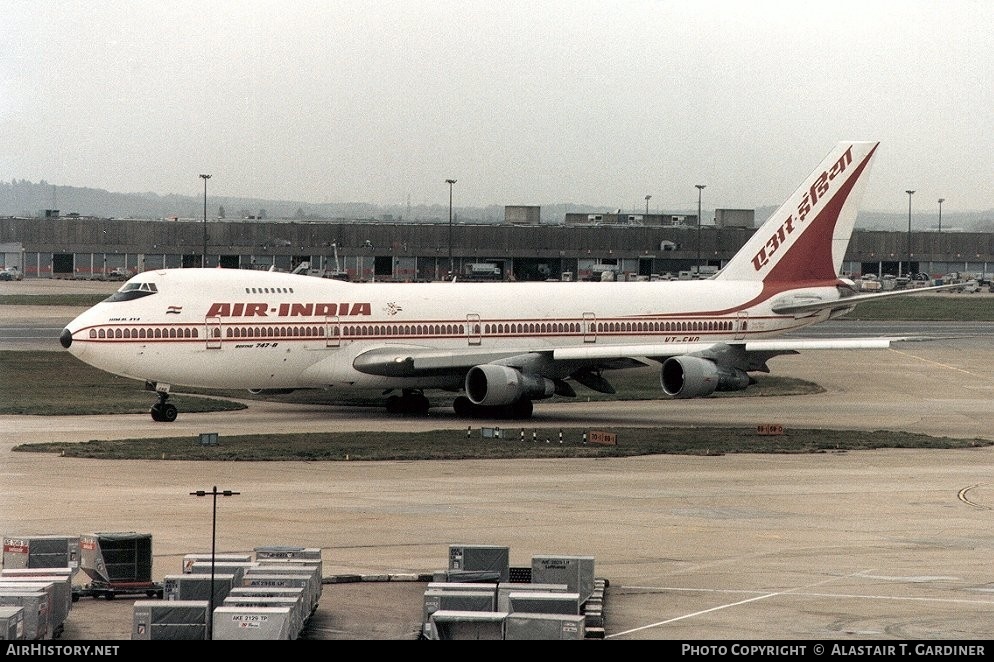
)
(331, 332)
(213, 334)
(474, 332)
(589, 327)
(741, 323)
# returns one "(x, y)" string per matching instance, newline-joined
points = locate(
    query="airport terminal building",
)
(614, 246)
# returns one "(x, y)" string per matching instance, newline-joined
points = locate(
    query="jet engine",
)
(694, 377)
(496, 385)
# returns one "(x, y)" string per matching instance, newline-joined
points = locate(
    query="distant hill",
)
(28, 199)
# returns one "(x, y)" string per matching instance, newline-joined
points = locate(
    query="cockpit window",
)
(133, 290)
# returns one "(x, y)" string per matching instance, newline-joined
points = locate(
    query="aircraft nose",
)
(65, 339)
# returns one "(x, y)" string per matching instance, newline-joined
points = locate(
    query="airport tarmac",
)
(869, 545)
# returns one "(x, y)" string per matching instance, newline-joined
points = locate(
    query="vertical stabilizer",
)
(805, 240)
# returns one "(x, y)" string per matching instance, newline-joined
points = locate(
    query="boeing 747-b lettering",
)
(500, 346)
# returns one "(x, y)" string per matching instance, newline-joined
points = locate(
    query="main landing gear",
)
(162, 411)
(465, 408)
(410, 402)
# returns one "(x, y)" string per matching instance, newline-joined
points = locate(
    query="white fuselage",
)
(218, 328)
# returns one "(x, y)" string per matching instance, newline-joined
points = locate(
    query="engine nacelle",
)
(270, 391)
(694, 377)
(496, 385)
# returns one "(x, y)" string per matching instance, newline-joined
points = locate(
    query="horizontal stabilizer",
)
(850, 301)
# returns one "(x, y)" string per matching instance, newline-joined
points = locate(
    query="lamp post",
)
(210, 600)
(910, 193)
(941, 200)
(203, 257)
(450, 182)
(647, 207)
(700, 188)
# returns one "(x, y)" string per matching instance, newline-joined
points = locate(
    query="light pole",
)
(203, 257)
(700, 188)
(450, 182)
(647, 207)
(941, 200)
(210, 599)
(910, 193)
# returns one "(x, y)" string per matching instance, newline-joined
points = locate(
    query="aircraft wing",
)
(413, 361)
(663, 351)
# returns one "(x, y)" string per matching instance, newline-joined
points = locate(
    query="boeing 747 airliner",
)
(500, 346)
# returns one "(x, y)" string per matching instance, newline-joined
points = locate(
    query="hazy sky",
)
(533, 103)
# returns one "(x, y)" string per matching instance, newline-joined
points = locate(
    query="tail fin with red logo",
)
(804, 242)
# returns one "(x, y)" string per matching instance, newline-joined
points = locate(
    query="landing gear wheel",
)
(168, 413)
(522, 409)
(419, 404)
(463, 407)
(412, 402)
(162, 411)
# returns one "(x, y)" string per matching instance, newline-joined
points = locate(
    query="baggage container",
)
(278, 552)
(35, 605)
(466, 625)
(312, 575)
(236, 568)
(446, 600)
(297, 605)
(190, 559)
(481, 558)
(503, 604)
(117, 563)
(577, 572)
(192, 586)
(45, 551)
(11, 623)
(59, 590)
(534, 627)
(117, 557)
(169, 619)
(540, 602)
(252, 623)
(292, 563)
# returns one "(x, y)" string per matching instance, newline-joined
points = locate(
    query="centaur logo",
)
(811, 197)
(289, 309)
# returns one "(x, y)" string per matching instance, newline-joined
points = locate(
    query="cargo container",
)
(236, 568)
(190, 586)
(59, 590)
(190, 559)
(504, 589)
(541, 602)
(447, 600)
(287, 552)
(535, 627)
(577, 572)
(466, 625)
(253, 623)
(299, 611)
(44, 551)
(480, 558)
(117, 563)
(35, 605)
(11, 623)
(169, 619)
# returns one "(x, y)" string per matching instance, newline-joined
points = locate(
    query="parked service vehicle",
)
(118, 274)
(11, 273)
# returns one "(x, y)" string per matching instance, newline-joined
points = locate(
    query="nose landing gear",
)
(162, 411)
